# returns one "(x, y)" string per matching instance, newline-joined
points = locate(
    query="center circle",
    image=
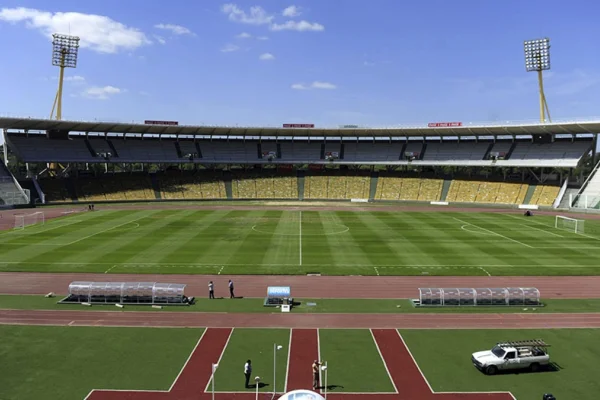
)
(307, 229)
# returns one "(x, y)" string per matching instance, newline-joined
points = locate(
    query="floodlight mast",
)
(64, 55)
(537, 58)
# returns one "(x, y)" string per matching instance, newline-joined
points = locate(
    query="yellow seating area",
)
(336, 187)
(191, 187)
(544, 195)
(488, 192)
(463, 191)
(55, 190)
(415, 189)
(269, 187)
(511, 193)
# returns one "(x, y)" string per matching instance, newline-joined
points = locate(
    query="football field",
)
(266, 241)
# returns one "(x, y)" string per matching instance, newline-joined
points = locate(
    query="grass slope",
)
(353, 361)
(66, 363)
(298, 242)
(444, 358)
(400, 306)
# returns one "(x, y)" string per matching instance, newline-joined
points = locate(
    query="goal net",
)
(569, 224)
(24, 220)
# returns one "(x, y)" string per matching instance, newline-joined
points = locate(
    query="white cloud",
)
(266, 57)
(291, 11)
(230, 48)
(299, 26)
(160, 39)
(244, 35)
(174, 29)
(314, 85)
(262, 38)
(74, 78)
(101, 93)
(368, 64)
(256, 16)
(97, 32)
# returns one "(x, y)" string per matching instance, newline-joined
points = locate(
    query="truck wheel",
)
(535, 367)
(491, 370)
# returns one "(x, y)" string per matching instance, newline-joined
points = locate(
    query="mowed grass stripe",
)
(353, 362)
(253, 247)
(146, 243)
(255, 345)
(284, 241)
(316, 246)
(64, 235)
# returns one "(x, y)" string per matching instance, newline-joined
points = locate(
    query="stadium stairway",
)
(228, 188)
(445, 189)
(90, 148)
(423, 150)
(488, 151)
(373, 186)
(178, 150)
(155, 185)
(510, 151)
(112, 148)
(301, 180)
(529, 194)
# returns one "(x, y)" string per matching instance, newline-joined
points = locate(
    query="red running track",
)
(310, 287)
(195, 375)
(279, 320)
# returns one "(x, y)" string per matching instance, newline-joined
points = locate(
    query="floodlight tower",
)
(64, 55)
(537, 58)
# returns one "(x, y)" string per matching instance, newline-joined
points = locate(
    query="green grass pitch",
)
(299, 242)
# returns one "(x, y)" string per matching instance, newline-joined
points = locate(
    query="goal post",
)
(24, 220)
(569, 224)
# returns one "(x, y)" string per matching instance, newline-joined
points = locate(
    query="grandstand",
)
(309, 164)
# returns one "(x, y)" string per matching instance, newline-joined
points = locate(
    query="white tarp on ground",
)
(301, 395)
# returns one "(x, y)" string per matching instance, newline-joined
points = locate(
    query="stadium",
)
(151, 260)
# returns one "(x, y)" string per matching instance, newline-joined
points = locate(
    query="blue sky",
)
(328, 62)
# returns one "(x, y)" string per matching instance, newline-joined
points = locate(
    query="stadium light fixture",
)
(65, 49)
(537, 58)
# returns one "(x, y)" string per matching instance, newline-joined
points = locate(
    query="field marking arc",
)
(346, 229)
(495, 233)
(103, 231)
(466, 229)
(383, 361)
(427, 382)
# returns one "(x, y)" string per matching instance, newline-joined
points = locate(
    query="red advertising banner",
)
(443, 124)
(147, 122)
(298, 125)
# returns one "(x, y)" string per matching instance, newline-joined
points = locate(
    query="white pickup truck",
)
(512, 356)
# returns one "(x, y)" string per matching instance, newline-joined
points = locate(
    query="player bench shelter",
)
(278, 295)
(514, 296)
(134, 293)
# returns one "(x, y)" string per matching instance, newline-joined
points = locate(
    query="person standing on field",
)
(248, 372)
(211, 290)
(316, 375)
(231, 295)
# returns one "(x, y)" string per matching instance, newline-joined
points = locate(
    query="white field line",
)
(219, 360)
(111, 268)
(379, 266)
(221, 270)
(102, 231)
(495, 233)
(550, 226)
(427, 382)
(287, 368)
(319, 359)
(30, 233)
(484, 270)
(150, 391)
(542, 230)
(300, 238)
(383, 361)
(376, 271)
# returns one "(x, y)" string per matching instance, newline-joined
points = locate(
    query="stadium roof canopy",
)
(566, 127)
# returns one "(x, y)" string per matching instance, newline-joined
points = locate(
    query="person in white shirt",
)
(211, 290)
(248, 372)
(231, 295)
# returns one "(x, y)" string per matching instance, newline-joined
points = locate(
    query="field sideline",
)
(300, 242)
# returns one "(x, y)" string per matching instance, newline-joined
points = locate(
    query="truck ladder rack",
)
(524, 343)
